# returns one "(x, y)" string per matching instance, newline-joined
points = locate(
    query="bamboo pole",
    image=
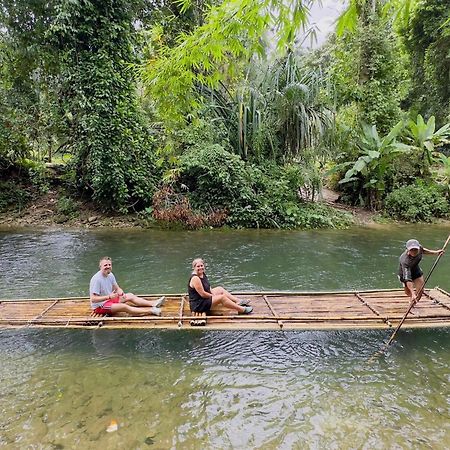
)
(43, 312)
(255, 293)
(180, 321)
(280, 323)
(231, 318)
(411, 305)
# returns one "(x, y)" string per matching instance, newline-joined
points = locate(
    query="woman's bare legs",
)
(219, 290)
(227, 302)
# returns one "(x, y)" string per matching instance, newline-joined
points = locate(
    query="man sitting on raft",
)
(107, 297)
(202, 297)
(409, 272)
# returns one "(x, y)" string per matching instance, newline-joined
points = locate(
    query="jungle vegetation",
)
(211, 113)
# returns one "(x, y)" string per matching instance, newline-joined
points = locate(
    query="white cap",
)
(412, 243)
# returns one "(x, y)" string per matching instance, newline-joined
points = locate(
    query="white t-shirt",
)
(101, 285)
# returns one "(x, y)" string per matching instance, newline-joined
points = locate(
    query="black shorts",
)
(415, 273)
(201, 306)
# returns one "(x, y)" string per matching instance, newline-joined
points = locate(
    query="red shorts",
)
(106, 308)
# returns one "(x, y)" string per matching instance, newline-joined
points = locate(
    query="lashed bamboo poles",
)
(434, 299)
(364, 302)
(299, 310)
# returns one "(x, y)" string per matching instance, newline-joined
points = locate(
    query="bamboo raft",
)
(375, 309)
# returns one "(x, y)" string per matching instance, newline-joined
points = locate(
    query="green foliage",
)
(369, 171)
(114, 158)
(66, 208)
(12, 195)
(423, 137)
(443, 176)
(276, 113)
(427, 39)
(417, 203)
(267, 196)
(28, 80)
(367, 67)
(39, 177)
(213, 176)
(232, 32)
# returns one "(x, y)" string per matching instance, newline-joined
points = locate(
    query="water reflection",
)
(223, 389)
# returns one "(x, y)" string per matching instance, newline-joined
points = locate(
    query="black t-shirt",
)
(409, 268)
(194, 296)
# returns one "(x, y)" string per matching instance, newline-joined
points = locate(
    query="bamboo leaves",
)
(233, 32)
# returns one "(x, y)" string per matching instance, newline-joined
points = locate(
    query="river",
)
(201, 389)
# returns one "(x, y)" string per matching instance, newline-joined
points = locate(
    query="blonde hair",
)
(105, 258)
(197, 260)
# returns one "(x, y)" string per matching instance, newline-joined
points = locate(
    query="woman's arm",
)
(198, 286)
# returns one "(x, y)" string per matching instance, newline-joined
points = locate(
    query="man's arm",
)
(427, 251)
(118, 290)
(95, 298)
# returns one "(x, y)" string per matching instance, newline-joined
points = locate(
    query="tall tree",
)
(29, 74)
(427, 38)
(367, 68)
(114, 159)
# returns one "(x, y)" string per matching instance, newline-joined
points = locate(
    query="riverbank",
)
(45, 212)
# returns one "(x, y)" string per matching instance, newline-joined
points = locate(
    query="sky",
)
(324, 18)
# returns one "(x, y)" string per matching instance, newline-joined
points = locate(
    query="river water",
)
(201, 389)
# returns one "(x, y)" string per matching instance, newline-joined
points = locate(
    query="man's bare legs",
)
(418, 286)
(134, 310)
(138, 301)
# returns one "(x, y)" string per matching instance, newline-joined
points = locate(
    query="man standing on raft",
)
(107, 297)
(409, 273)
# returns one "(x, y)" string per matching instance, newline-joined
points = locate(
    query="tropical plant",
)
(369, 171)
(276, 112)
(424, 137)
(443, 176)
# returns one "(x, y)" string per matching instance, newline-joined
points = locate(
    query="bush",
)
(221, 185)
(214, 177)
(416, 203)
(67, 208)
(13, 196)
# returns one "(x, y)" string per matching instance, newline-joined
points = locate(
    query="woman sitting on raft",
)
(202, 298)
